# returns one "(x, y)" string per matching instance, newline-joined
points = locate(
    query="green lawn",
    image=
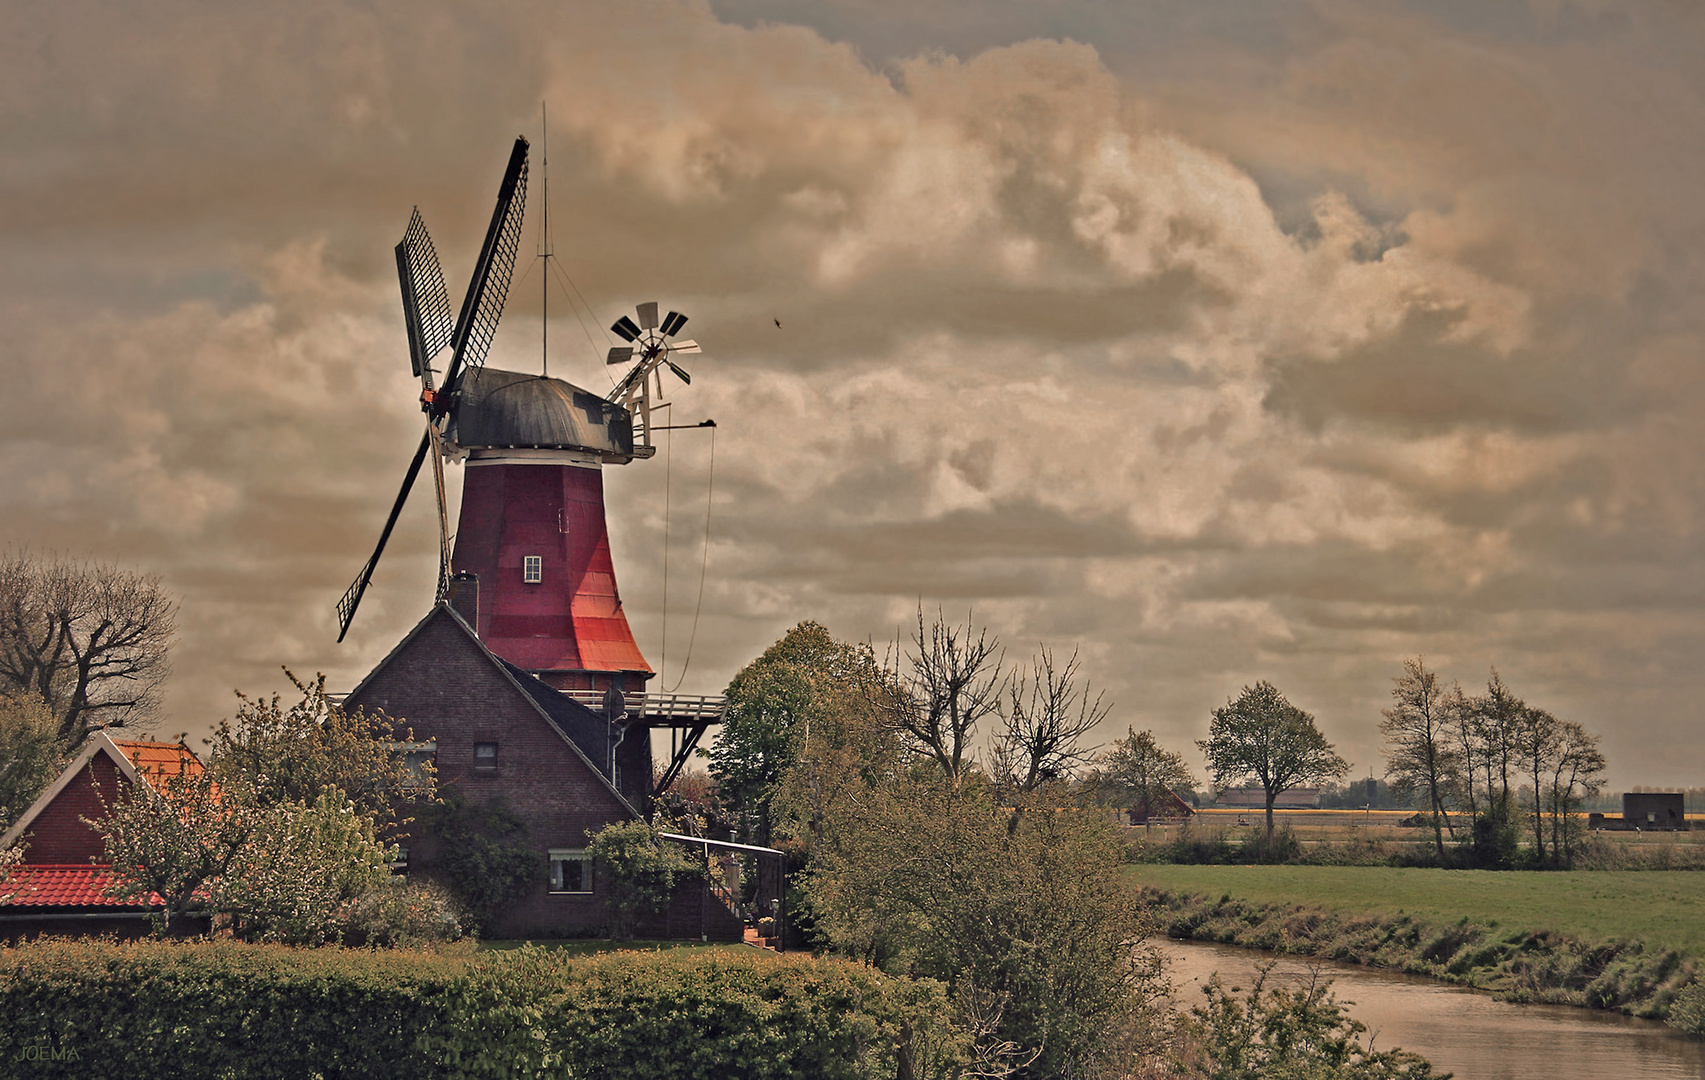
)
(1659, 908)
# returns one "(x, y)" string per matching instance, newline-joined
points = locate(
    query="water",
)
(1465, 1032)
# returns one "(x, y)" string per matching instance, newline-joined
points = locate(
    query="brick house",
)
(501, 736)
(61, 886)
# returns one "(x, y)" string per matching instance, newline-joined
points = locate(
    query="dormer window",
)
(532, 569)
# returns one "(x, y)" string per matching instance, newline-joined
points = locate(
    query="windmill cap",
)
(500, 409)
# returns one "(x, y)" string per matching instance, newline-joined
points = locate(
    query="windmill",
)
(654, 347)
(531, 544)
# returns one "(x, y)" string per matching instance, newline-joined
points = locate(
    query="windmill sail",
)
(489, 287)
(426, 302)
(352, 598)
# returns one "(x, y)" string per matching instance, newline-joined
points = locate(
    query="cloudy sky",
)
(1220, 341)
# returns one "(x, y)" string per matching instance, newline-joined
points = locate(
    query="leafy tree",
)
(295, 754)
(285, 872)
(1259, 734)
(1419, 756)
(31, 754)
(1279, 1034)
(176, 837)
(1140, 773)
(278, 836)
(772, 704)
(926, 872)
(1032, 926)
(301, 871)
(87, 638)
(10, 859)
(638, 872)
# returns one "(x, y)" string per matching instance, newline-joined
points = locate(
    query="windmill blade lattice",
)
(488, 289)
(426, 302)
(352, 597)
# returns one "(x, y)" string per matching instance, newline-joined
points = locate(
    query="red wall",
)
(58, 834)
(572, 619)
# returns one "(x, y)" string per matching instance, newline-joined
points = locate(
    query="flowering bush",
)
(282, 873)
(405, 915)
(300, 872)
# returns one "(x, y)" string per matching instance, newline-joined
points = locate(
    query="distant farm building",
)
(1167, 808)
(1253, 798)
(1647, 811)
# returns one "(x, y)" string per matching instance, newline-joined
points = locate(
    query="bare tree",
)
(952, 682)
(1047, 713)
(1498, 717)
(1418, 753)
(1260, 734)
(1462, 728)
(1576, 774)
(88, 638)
(1539, 742)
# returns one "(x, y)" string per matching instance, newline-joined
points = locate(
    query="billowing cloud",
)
(1225, 349)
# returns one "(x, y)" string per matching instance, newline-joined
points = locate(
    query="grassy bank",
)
(1626, 941)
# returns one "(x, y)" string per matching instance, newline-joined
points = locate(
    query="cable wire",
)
(704, 564)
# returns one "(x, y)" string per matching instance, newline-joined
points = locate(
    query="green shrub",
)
(483, 856)
(224, 1009)
(1687, 1012)
(636, 871)
(1302, 1034)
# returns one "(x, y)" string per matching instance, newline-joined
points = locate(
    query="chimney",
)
(463, 596)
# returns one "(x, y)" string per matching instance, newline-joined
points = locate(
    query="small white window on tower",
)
(532, 569)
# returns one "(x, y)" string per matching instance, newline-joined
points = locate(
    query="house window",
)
(485, 755)
(532, 569)
(571, 870)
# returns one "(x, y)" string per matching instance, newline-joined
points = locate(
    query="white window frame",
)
(563, 855)
(532, 569)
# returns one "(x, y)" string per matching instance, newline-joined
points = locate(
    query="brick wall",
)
(448, 689)
(58, 834)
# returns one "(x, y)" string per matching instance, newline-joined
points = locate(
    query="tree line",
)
(1509, 767)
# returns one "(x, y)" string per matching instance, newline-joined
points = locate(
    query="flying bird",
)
(778, 324)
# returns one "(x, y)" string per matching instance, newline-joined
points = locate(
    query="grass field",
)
(1660, 909)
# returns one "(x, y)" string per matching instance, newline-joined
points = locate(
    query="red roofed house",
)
(1167, 808)
(60, 888)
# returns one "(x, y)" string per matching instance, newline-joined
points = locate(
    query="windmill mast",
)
(545, 282)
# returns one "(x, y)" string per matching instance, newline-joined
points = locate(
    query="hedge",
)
(223, 1009)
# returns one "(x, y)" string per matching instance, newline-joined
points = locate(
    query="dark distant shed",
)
(1660, 811)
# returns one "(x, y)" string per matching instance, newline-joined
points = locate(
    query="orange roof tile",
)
(59, 885)
(159, 760)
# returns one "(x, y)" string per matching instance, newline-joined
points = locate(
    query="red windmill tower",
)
(531, 545)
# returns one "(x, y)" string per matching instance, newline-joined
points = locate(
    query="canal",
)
(1466, 1032)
